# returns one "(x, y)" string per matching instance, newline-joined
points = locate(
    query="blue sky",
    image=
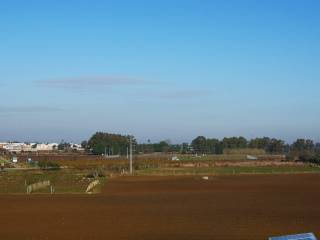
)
(159, 69)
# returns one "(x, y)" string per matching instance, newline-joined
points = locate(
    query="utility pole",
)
(131, 170)
(127, 153)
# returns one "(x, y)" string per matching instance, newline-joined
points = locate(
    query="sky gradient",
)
(159, 69)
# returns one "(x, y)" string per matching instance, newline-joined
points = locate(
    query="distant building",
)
(44, 147)
(77, 147)
(14, 147)
(35, 147)
(2, 145)
(29, 147)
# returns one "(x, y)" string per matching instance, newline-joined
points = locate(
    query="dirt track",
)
(225, 207)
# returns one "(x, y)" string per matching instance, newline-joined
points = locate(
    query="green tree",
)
(101, 143)
(199, 145)
(84, 144)
(184, 148)
(235, 142)
(303, 145)
(64, 146)
(214, 146)
(276, 146)
(304, 149)
(260, 143)
(162, 146)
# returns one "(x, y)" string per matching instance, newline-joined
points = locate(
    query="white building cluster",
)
(35, 147)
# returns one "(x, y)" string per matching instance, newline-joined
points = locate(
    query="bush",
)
(305, 157)
(290, 157)
(48, 165)
(315, 159)
(311, 158)
(96, 173)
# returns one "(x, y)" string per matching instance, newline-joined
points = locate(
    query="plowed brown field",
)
(225, 207)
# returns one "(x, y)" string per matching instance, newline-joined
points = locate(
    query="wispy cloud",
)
(88, 82)
(175, 94)
(29, 109)
(185, 94)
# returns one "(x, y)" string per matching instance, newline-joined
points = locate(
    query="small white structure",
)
(175, 158)
(14, 159)
(76, 147)
(250, 157)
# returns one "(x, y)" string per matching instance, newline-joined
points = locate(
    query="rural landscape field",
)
(223, 207)
(197, 197)
(159, 120)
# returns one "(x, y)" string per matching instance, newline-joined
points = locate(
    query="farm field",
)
(186, 207)
(71, 181)
(229, 170)
(73, 177)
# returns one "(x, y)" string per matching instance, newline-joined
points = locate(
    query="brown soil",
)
(224, 207)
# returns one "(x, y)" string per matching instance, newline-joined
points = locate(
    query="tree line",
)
(116, 144)
(108, 143)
